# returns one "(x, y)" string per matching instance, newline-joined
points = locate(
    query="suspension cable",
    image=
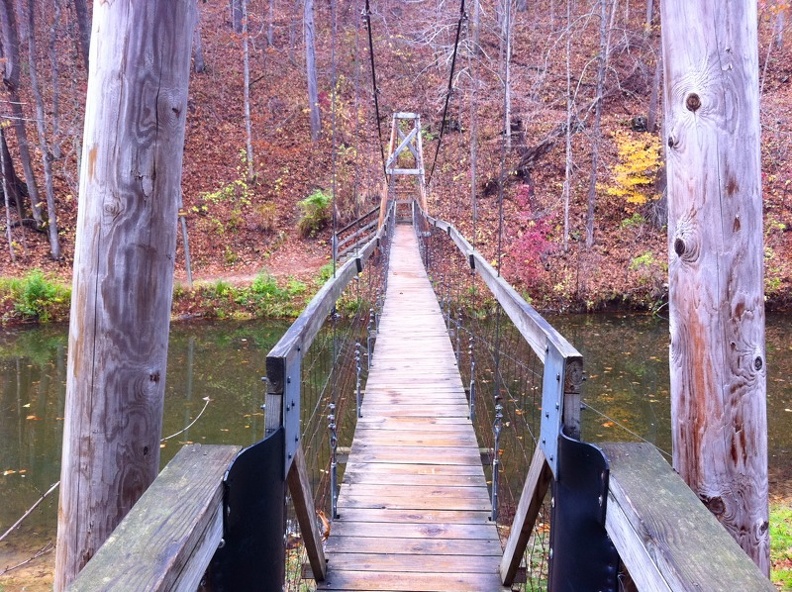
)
(462, 18)
(367, 18)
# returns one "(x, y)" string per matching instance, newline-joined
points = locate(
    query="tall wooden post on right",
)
(718, 366)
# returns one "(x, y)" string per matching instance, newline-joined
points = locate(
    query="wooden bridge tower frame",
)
(405, 157)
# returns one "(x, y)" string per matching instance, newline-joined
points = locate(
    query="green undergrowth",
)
(781, 545)
(34, 298)
(264, 297)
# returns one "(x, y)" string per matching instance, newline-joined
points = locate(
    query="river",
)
(214, 393)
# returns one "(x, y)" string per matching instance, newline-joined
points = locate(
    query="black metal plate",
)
(583, 557)
(253, 556)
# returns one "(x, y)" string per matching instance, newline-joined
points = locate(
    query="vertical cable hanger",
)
(367, 18)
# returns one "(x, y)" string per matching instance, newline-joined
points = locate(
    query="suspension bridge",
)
(417, 414)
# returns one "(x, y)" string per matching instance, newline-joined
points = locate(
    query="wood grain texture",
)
(171, 534)
(414, 506)
(130, 183)
(665, 536)
(716, 255)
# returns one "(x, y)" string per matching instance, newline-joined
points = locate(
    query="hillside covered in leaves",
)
(551, 146)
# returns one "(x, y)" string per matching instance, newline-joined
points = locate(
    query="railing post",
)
(496, 460)
(371, 333)
(358, 379)
(472, 379)
(458, 334)
(333, 461)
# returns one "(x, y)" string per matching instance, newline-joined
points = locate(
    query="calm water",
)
(221, 362)
(626, 361)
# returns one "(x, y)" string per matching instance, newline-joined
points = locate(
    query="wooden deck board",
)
(414, 505)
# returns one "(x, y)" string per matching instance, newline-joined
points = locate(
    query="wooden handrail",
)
(358, 221)
(169, 537)
(539, 334)
(562, 378)
(666, 537)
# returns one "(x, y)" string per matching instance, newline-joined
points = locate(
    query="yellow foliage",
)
(639, 161)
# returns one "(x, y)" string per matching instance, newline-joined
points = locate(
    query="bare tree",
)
(46, 153)
(199, 65)
(310, 70)
(271, 24)
(506, 41)
(602, 63)
(779, 27)
(52, 52)
(6, 186)
(657, 79)
(246, 76)
(567, 188)
(236, 15)
(84, 26)
(649, 15)
(11, 80)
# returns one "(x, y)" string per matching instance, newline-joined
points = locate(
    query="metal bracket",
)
(582, 556)
(283, 373)
(252, 556)
(291, 407)
(552, 403)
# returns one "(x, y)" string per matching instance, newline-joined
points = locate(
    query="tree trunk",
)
(199, 65)
(310, 69)
(84, 26)
(649, 15)
(567, 188)
(246, 72)
(236, 15)
(46, 154)
(16, 187)
(52, 52)
(11, 81)
(473, 57)
(5, 185)
(651, 116)
(271, 24)
(507, 35)
(602, 62)
(123, 268)
(716, 302)
(778, 28)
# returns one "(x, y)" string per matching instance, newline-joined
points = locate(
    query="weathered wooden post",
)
(718, 368)
(123, 269)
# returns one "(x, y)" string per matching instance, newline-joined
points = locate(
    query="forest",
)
(543, 147)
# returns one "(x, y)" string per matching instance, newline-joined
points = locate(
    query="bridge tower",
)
(404, 167)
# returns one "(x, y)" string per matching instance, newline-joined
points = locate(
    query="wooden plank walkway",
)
(414, 507)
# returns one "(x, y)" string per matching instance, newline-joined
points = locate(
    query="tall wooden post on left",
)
(123, 268)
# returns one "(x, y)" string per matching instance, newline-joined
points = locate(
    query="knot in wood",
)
(112, 208)
(714, 504)
(679, 247)
(758, 363)
(693, 102)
